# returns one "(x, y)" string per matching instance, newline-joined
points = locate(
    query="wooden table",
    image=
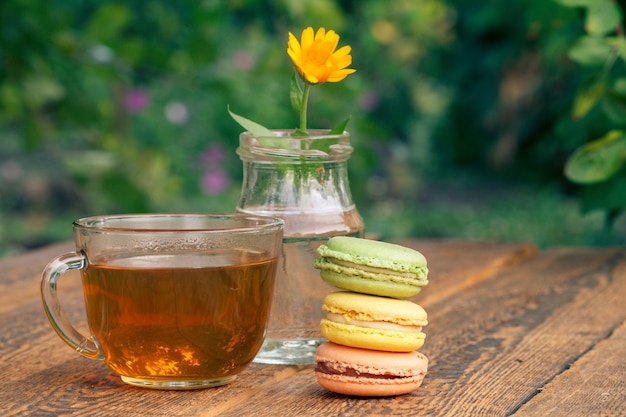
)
(513, 331)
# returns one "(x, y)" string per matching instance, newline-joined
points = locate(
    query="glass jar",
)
(304, 181)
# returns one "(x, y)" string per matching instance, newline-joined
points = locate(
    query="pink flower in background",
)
(212, 156)
(215, 179)
(135, 101)
(214, 182)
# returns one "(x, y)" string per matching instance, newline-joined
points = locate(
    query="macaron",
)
(372, 267)
(371, 322)
(362, 372)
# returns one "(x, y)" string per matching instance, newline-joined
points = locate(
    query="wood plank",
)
(595, 383)
(495, 345)
(44, 377)
(21, 274)
(456, 265)
(511, 331)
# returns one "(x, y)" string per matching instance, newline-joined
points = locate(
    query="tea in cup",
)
(173, 301)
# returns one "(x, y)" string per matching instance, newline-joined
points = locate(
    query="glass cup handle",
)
(86, 346)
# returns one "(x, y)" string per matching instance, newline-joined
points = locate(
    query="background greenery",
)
(462, 111)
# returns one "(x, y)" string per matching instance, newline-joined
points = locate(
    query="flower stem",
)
(305, 105)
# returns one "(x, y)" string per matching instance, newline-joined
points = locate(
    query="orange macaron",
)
(363, 372)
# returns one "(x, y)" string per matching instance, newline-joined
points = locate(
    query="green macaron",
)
(372, 267)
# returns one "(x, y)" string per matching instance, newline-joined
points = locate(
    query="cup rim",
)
(111, 223)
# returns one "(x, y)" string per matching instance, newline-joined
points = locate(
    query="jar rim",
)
(320, 145)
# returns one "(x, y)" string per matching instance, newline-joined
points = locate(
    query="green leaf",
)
(295, 93)
(597, 161)
(614, 106)
(339, 129)
(587, 97)
(108, 21)
(618, 43)
(575, 3)
(252, 127)
(38, 90)
(90, 163)
(606, 196)
(614, 103)
(603, 17)
(590, 51)
(619, 87)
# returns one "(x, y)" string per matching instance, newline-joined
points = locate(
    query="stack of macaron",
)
(373, 332)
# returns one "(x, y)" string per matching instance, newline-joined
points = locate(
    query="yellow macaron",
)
(372, 322)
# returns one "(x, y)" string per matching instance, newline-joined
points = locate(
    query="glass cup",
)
(173, 301)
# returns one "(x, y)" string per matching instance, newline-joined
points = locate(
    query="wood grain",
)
(595, 382)
(504, 340)
(463, 264)
(512, 331)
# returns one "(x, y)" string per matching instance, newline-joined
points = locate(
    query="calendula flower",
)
(316, 59)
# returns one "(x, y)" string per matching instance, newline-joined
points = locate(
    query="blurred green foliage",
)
(599, 165)
(120, 106)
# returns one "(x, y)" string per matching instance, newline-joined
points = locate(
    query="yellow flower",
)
(317, 61)
(315, 57)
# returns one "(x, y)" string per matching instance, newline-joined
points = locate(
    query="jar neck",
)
(285, 148)
(308, 185)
